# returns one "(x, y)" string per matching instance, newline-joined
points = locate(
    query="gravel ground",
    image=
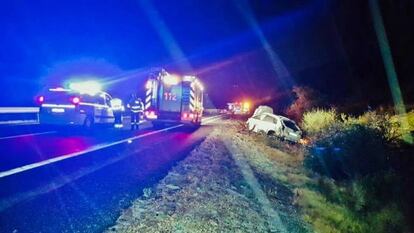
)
(215, 189)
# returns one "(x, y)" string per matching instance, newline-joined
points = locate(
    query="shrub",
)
(319, 120)
(354, 150)
(410, 118)
(358, 183)
(388, 125)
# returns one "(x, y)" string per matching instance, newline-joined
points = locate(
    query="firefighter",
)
(118, 108)
(136, 107)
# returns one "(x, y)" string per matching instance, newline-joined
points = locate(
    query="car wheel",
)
(271, 133)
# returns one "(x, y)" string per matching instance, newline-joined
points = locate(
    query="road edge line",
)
(79, 153)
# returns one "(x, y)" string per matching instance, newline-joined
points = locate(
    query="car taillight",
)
(75, 100)
(40, 99)
(188, 115)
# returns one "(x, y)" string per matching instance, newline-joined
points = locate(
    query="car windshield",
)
(291, 125)
(201, 116)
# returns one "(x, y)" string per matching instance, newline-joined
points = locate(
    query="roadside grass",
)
(204, 193)
(365, 196)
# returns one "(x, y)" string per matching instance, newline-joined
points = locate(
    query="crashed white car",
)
(274, 125)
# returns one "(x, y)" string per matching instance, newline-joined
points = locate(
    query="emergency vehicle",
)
(171, 99)
(82, 104)
(239, 108)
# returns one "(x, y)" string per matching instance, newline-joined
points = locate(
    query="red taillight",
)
(188, 115)
(40, 99)
(75, 100)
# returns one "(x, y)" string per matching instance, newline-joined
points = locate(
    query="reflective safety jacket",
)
(116, 105)
(136, 106)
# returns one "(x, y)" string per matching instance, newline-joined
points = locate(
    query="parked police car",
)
(75, 106)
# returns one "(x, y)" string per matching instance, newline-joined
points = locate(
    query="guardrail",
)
(19, 115)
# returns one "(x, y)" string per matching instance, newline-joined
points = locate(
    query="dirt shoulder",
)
(222, 186)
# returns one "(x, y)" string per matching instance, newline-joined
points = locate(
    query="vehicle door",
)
(100, 109)
(278, 126)
(170, 97)
(267, 123)
(108, 111)
(252, 123)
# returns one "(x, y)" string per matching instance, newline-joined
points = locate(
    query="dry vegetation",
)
(206, 192)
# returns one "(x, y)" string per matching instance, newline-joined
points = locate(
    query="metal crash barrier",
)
(19, 115)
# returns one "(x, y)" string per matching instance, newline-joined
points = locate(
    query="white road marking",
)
(75, 154)
(64, 179)
(26, 135)
(92, 149)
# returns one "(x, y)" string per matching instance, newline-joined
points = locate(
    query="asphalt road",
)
(71, 181)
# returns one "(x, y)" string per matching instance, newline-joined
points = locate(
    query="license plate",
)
(58, 110)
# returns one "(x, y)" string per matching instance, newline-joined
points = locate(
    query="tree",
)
(306, 99)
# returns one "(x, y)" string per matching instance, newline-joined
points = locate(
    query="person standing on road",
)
(136, 107)
(118, 108)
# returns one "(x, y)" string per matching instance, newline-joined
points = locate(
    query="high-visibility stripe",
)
(148, 99)
(148, 105)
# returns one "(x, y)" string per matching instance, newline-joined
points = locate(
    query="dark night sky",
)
(329, 45)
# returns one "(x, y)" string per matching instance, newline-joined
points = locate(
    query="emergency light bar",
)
(88, 87)
(58, 89)
(188, 78)
(148, 85)
(170, 79)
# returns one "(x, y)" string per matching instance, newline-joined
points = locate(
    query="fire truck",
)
(173, 99)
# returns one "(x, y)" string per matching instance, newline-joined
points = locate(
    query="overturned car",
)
(264, 121)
